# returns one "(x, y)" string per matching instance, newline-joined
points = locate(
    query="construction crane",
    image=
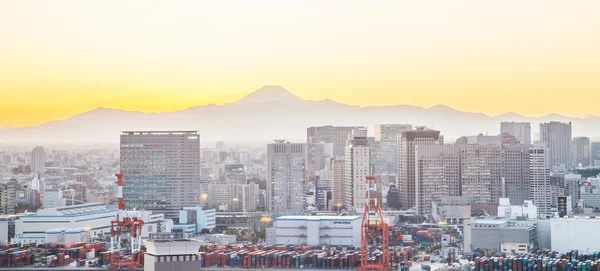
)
(373, 226)
(125, 223)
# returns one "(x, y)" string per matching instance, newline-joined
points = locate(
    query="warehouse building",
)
(575, 233)
(174, 255)
(495, 233)
(317, 230)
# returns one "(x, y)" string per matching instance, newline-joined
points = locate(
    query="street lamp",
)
(339, 205)
(235, 200)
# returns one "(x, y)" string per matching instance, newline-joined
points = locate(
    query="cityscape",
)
(268, 135)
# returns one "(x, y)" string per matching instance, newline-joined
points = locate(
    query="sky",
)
(61, 58)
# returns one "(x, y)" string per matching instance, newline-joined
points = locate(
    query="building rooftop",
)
(159, 132)
(325, 217)
(74, 210)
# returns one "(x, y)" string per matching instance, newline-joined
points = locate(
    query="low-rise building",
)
(452, 209)
(202, 218)
(317, 230)
(491, 233)
(174, 255)
(577, 233)
(527, 210)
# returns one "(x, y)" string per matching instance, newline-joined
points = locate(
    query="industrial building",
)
(491, 233)
(93, 217)
(452, 209)
(527, 210)
(173, 255)
(317, 230)
(575, 233)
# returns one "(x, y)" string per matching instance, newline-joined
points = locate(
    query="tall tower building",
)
(581, 149)
(595, 153)
(337, 183)
(540, 180)
(388, 135)
(38, 160)
(161, 170)
(285, 183)
(358, 167)
(338, 135)
(520, 130)
(556, 136)
(437, 174)
(407, 163)
(481, 167)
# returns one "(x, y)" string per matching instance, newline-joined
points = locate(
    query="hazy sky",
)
(60, 58)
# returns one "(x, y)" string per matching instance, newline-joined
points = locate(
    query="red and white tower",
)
(373, 226)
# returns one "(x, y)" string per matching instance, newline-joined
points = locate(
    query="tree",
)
(205, 231)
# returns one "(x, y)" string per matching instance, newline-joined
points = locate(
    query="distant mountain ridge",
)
(268, 113)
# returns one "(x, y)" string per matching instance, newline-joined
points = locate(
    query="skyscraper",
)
(581, 149)
(481, 167)
(338, 135)
(540, 180)
(406, 161)
(337, 183)
(521, 130)
(38, 160)
(556, 136)
(437, 174)
(388, 135)
(161, 170)
(285, 181)
(358, 167)
(595, 153)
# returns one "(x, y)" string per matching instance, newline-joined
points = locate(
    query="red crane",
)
(373, 226)
(130, 224)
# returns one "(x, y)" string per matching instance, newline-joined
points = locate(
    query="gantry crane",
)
(373, 226)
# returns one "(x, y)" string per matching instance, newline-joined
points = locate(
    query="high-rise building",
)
(315, 160)
(556, 136)
(6, 159)
(481, 175)
(337, 183)
(286, 173)
(8, 197)
(38, 160)
(406, 161)
(161, 170)
(540, 180)
(388, 135)
(516, 173)
(595, 154)
(358, 167)
(521, 130)
(338, 135)
(581, 150)
(437, 174)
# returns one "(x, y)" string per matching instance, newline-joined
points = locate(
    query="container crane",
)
(373, 226)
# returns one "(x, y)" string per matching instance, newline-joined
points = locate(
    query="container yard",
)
(53, 255)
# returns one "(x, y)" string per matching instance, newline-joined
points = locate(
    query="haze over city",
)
(229, 135)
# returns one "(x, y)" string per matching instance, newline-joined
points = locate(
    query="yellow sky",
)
(60, 58)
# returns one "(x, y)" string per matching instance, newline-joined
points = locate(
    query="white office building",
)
(539, 181)
(317, 230)
(358, 167)
(285, 177)
(556, 136)
(53, 198)
(520, 130)
(200, 217)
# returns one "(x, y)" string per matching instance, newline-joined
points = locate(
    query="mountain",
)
(268, 113)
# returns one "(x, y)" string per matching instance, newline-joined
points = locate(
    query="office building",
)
(315, 158)
(8, 197)
(161, 170)
(451, 209)
(201, 218)
(358, 167)
(581, 150)
(595, 153)
(556, 136)
(540, 180)
(53, 198)
(6, 159)
(388, 135)
(338, 135)
(285, 177)
(520, 130)
(406, 161)
(481, 169)
(317, 230)
(338, 178)
(437, 174)
(527, 210)
(38, 160)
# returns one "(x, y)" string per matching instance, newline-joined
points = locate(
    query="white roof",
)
(325, 217)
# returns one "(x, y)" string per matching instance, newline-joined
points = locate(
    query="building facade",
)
(161, 170)
(338, 178)
(581, 151)
(520, 130)
(556, 136)
(388, 135)
(540, 180)
(407, 163)
(286, 177)
(38, 160)
(358, 167)
(338, 135)
(317, 230)
(437, 174)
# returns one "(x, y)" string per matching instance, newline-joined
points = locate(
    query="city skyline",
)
(472, 56)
